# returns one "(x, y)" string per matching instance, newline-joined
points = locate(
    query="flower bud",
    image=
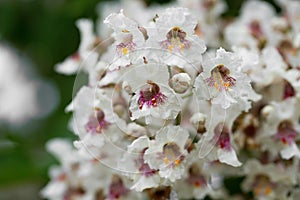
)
(180, 82)
(198, 121)
(265, 112)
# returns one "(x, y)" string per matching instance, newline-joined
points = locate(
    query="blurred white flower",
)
(252, 29)
(24, 96)
(280, 131)
(208, 14)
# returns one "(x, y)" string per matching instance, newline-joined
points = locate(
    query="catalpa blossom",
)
(134, 165)
(173, 32)
(81, 178)
(281, 128)
(133, 9)
(94, 120)
(24, 95)
(152, 97)
(266, 181)
(197, 183)
(217, 143)
(222, 80)
(208, 14)
(263, 67)
(167, 152)
(64, 180)
(128, 38)
(252, 29)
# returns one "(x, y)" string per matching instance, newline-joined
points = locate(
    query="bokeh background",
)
(44, 32)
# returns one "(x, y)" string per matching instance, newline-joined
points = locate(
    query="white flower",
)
(24, 96)
(281, 128)
(196, 184)
(65, 181)
(153, 98)
(263, 68)
(290, 49)
(270, 74)
(62, 149)
(253, 29)
(56, 188)
(94, 120)
(88, 115)
(223, 81)
(173, 32)
(204, 9)
(219, 135)
(266, 181)
(134, 9)
(134, 166)
(167, 152)
(250, 59)
(207, 12)
(224, 152)
(128, 39)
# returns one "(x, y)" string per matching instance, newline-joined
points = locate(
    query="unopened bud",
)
(198, 121)
(180, 82)
(265, 112)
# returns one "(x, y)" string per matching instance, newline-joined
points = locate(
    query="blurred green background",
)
(44, 31)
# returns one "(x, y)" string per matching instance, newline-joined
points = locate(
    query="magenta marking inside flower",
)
(256, 30)
(222, 136)
(288, 90)
(151, 96)
(116, 188)
(76, 56)
(144, 167)
(209, 4)
(176, 41)
(286, 134)
(220, 78)
(62, 177)
(97, 122)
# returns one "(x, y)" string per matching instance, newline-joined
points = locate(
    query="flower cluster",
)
(168, 113)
